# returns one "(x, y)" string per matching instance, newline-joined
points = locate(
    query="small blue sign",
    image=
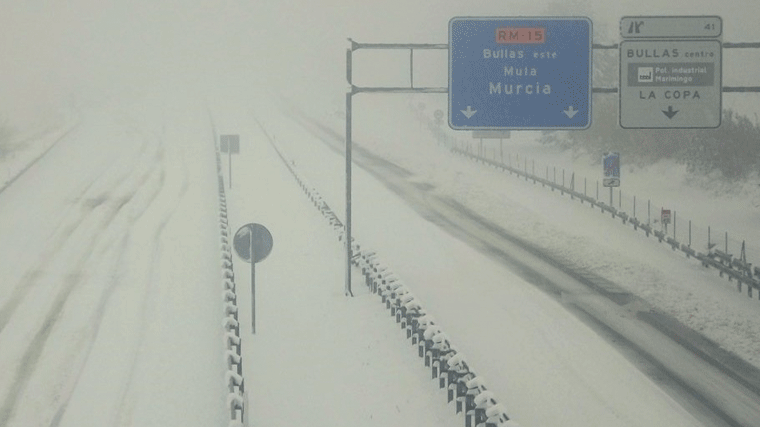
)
(520, 73)
(612, 165)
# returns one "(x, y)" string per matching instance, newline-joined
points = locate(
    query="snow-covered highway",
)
(109, 279)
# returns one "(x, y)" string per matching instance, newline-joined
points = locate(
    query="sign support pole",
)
(349, 253)
(355, 90)
(253, 286)
(258, 247)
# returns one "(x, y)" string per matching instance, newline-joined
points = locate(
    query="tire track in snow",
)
(104, 211)
(68, 224)
(122, 416)
(38, 158)
(96, 321)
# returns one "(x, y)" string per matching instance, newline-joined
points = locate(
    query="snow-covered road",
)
(110, 305)
(442, 275)
(107, 273)
(698, 373)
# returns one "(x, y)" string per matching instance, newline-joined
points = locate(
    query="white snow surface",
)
(113, 280)
(567, 229)
(546, 366)
(109, 297)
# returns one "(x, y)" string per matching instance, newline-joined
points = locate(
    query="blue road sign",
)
(611, 166)
(262, 242)
(520, 73)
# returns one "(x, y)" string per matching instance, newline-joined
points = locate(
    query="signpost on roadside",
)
(670, 72)
(665, 218)
(253, 242)
(229, 144)
(520, 73)
(501, 135)
(611, 168)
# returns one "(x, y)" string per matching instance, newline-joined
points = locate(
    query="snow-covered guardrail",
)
(447, 365)
(727, 265)
(732, 267)
(233, 358)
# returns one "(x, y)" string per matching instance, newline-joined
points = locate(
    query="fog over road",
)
(714, 385)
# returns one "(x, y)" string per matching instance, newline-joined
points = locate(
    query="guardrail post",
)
(235, 403)
(572, 185)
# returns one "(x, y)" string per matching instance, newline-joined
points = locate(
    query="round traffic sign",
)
(262, 242)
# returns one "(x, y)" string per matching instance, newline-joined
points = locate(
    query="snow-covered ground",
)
(136, 296)
(109, 296)
(478, 301)
(19, 148)
(110, 303)
(573, 232)
(317, 357)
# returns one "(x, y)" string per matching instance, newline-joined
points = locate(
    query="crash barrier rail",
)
(732, 267)
(448, 366)
(233, 358)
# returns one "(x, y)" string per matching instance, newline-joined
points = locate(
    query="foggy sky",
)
(58, 53)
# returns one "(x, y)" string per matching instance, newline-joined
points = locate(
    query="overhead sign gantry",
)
(520, 73)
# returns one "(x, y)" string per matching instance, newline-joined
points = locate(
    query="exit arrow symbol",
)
(570, 112)
(671, 112)
(469, 112)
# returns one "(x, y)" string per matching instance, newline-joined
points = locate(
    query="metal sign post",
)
(665, 218)
(253, 242)
(231, 145)
(356, 90)
(253, 286)
(611, 169)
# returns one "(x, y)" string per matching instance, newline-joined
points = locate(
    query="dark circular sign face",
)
(262, 242)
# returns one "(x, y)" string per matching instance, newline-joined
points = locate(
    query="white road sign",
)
(670, 83)
(671, 27)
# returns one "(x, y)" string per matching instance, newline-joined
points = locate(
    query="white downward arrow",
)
(469, 112)
(570, 112)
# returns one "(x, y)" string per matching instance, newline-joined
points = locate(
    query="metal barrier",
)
(733, 268)
(446, 364)
(233, 377)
